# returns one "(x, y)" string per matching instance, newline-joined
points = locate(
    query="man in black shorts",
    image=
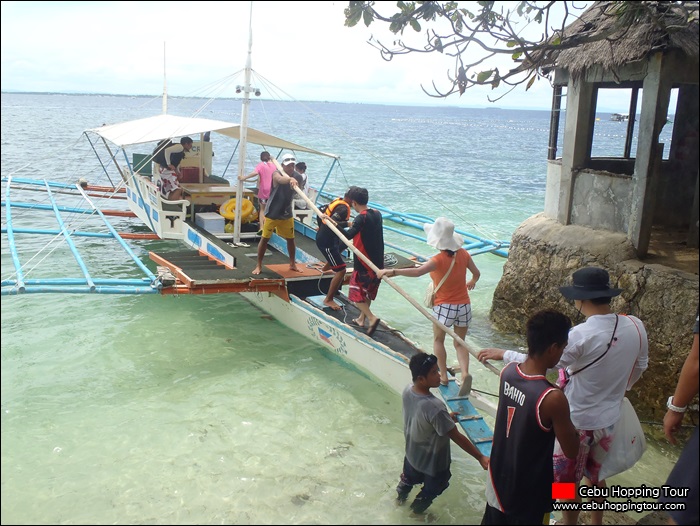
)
(338, 213)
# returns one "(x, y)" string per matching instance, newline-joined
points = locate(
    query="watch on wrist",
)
(675, 408)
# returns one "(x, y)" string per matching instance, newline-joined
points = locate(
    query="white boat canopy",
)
(160, 127)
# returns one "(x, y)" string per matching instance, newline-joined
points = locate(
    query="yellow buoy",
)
(228, 209)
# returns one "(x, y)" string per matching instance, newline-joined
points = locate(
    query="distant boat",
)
(619, 117)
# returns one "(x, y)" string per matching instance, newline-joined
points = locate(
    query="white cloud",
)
(304, 47)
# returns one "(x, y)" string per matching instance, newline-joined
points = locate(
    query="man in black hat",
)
(605, 356)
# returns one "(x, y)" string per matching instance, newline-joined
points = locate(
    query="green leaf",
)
(483, 76)
(367, 18)
(415, 25)
(516, 55)
(352, 17)
(511, 43)
(529, 84)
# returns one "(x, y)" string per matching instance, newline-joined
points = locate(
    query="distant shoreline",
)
(494, 108)
(11, 92)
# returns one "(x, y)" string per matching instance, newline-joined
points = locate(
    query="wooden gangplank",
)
(469, 418)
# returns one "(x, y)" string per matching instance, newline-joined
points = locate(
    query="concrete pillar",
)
(580, 109)
(656, 92)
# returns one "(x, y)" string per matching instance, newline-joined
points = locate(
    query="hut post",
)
(656, 93)
(580, 106)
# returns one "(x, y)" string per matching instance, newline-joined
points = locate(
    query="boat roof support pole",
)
(231, 158)
(328, 176)
(104, 168)
(114, 160)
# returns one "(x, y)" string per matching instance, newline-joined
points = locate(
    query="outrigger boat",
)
(210, 261)
(214, 259)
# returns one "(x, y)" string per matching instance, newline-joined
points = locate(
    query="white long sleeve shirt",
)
(595, 394)
(175, 148)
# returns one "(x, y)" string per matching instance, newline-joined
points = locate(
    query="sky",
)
(125, 47)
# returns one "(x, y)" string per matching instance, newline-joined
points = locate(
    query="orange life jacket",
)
(333, 204)
(328, 209)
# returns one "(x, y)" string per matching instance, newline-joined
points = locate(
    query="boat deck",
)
(196, 273)
(384, 334)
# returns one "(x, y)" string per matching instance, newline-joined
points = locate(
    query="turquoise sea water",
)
(201, 409)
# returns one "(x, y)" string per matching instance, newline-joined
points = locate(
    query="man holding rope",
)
(278, 213)
(367, 235)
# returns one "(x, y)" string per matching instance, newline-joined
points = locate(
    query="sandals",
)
(373, 327)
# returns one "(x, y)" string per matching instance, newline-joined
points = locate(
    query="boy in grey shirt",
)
(428, 428)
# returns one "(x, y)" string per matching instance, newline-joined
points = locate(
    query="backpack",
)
(159, 152)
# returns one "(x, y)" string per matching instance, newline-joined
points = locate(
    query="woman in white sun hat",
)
(452, 306)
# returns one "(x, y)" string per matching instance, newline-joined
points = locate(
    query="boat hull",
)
(373, 359)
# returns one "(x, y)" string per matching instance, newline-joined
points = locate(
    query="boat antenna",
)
(165, 85)
(243, 131)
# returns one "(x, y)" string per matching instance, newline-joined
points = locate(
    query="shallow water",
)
(201, 409)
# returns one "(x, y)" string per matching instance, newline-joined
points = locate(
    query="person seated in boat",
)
(263, 171)
(167, 159)
(279, 215)
(338, 213)
(452, 305)
(367, 235)
(300, 169)
(428, 428)
(531, 414)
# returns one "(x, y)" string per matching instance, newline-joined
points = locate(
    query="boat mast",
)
(165, 85)
(244, 132)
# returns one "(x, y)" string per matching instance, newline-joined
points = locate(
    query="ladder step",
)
(470, 417)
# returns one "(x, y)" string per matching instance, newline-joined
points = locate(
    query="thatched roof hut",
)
(628, 32)
(650, 49)
(626, 206)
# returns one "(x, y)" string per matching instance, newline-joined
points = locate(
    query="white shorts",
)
(450, 314)
(168, 182)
